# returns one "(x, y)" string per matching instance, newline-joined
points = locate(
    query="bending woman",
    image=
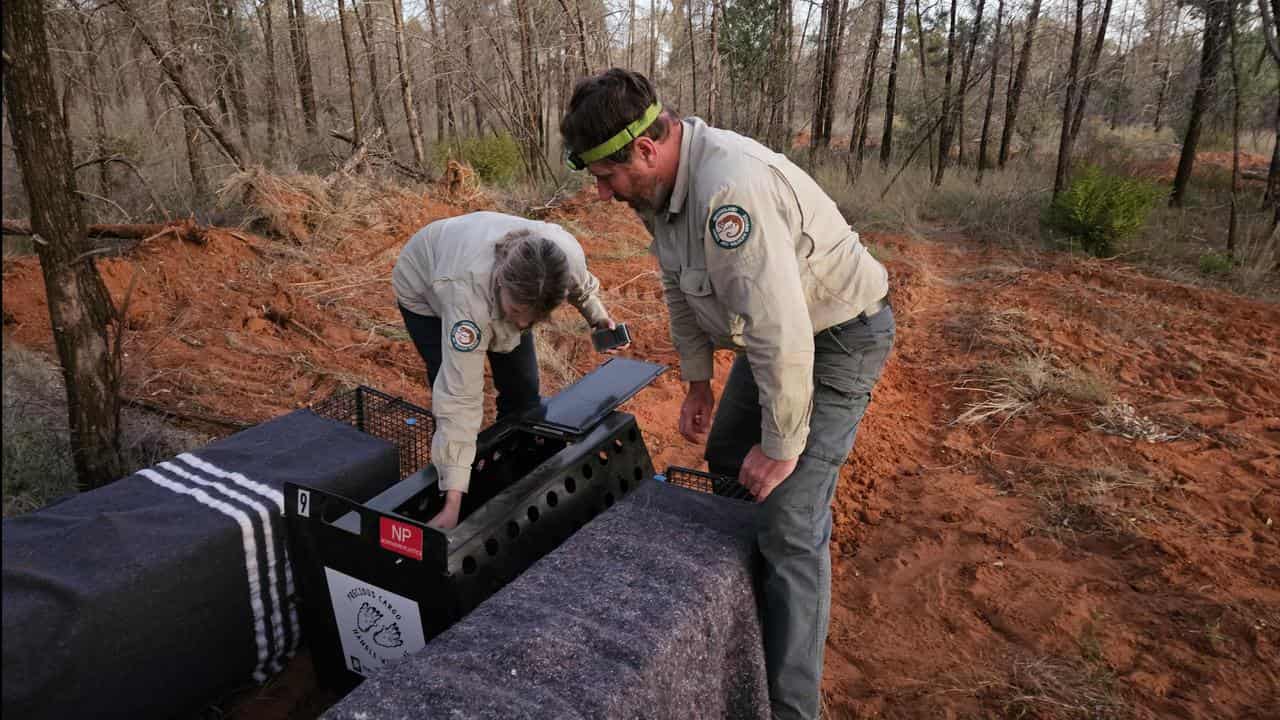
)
(472, 286)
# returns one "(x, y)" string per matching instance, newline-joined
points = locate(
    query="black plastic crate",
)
(376, 582)
(711, 483)
(384, 416)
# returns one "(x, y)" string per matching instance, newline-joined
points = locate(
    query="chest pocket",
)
(724, 327)
(695, 282)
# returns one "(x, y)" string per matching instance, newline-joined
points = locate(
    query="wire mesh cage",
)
(384, 416)
(712, 483)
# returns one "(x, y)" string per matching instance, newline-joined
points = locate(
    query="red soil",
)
(975, 573)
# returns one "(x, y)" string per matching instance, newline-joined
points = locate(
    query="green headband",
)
(578, 161)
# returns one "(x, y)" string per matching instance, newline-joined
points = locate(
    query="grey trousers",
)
(795, 522)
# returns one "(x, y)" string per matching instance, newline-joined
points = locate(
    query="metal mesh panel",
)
(384, 416)
(706, 482)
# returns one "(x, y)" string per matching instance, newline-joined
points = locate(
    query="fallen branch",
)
(412, 172)
(357, 159)
(186, 230)
(122, 160)
(187, 414)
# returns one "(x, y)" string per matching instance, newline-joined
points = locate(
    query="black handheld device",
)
(607, 339)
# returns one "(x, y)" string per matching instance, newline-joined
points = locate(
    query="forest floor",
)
(1060, 503)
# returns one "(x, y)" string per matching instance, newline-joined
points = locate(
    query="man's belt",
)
(873, 309)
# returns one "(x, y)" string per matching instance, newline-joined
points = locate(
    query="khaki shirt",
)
(757, 258)
(446, 271)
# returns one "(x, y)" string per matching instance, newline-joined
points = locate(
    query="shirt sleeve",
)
(457, 397)
(585, 295)
(751, 259)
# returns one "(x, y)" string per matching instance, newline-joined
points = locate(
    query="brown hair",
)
(533, 271)
(602, 105)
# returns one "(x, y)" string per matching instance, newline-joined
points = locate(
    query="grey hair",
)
(533, 271)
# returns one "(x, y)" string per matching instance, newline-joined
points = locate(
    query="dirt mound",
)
(1254, 165)
(1100, 541)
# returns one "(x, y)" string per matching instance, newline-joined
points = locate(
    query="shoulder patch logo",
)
(465, 336)
(730, 226)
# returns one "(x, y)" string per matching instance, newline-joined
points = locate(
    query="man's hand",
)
(761, 474)
(447, 519)
(695, 414)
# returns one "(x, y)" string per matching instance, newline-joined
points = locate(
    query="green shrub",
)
(495, 158)
(1099, 210)
(1213, 263)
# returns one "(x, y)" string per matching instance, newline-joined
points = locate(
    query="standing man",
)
(754, 257)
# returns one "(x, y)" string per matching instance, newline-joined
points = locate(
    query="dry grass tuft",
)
(308, 210)
(557, 342)
(1087, 501)
(1015, 387)
(986, 327)
(1050, 688)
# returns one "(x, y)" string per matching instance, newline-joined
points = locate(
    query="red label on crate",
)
(400, 538)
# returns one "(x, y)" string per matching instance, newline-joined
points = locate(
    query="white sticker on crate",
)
(377, 626)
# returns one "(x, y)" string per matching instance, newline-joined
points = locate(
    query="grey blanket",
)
(647, 612)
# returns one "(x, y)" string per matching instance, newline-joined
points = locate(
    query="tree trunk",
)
(820, 80)
(1271, 35)
(1163, 93)
(406, 89)
(302, 63)
(233, 70)
(1210, 56)
(1069, 98)
(693, 56)
(631, 35)
(1121, 92)
(924, 79)
(472, 77)
(365, 24)
(991, 93)
(273, 85)
(79, 306)
(653, 41)
(829, 31)
(529, 91)
(580, 29)
(792, 68)
(944, 137)
(858, 136)
(886, 137)
(713, 93)
(1019, 82)
(437, 54)
(965, 68)
(776, 79)
(1087, 83)
(351, 73)
(833, 92)
(446, 75)
(146, 83)
(99, 115)
(1233, 224)
(190, 124)
(1272, 194)
(172, 64)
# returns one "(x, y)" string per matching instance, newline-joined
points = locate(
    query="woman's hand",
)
(447, 519)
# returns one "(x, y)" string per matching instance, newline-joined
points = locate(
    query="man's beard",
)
(650, 198)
